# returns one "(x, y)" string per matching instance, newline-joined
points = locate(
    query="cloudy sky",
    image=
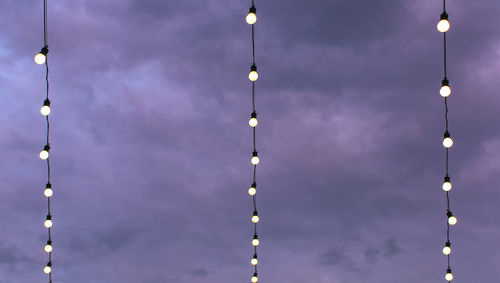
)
(151, 146)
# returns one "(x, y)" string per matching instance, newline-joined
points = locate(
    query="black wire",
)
(45, 39)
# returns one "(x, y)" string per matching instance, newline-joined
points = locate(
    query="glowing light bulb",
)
(44, 154)
(449, 275)
(447, 184)
(48, 247)
(45, 110)
(255, 217)
(255, 279)
(48, 268)
(253, 75)
(445, 90)
(255, 158)
(252, 16)
(48, 191)
(41, 57)
(253, 189)
(447, 141)
(48, 222)
(253, 120)
(447, 248)
(254, 260)
(443, 24)
(452, 220)
(255, 241)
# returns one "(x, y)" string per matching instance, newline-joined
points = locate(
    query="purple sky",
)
(151, 146)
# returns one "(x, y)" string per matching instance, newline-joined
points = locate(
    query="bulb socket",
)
(46, 148)
(448, 270)
(253, 115)
(254, 185)
(449, 214)
(448, 244)
(253, 9)
(255, 154)
(49, 217)
(253, 68)
(255, 213)
(444, 16)
(255, 274)
(447, 179)
(48, 186)
(46, 102)
(49, 242)
(255, 256)
(45, 50)
(255, 237)
(445, 82)
(447, 135)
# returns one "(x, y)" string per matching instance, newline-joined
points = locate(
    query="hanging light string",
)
(41, 58)
(251, 19)
(443, 26)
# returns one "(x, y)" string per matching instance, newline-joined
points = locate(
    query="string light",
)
(40, 59)
(253, 75)
(251, 19)
(255, 217)
(252, 16)
(253, 122)
(255, 158)
(254, 260)
(44, 154)
(255, 241)
(443, 26)
(48, 192)
(253, 189)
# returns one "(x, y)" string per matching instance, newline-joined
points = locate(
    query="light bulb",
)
(445, 90)
(48, 191)
(447, 184)
(253, 189)
(44, 154)
(443, 24)
(253, 75)
(449, 275)
(48, 247)
(252, 16)
(254, 260)
(447, 248)
(45, 110)
(255, 279)
(255, 158)
(452, 220)
(255, 241)
(447, 141)
(255, 217)
(47, 269)
(48, 222)
(253, 120)
(41, 57)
